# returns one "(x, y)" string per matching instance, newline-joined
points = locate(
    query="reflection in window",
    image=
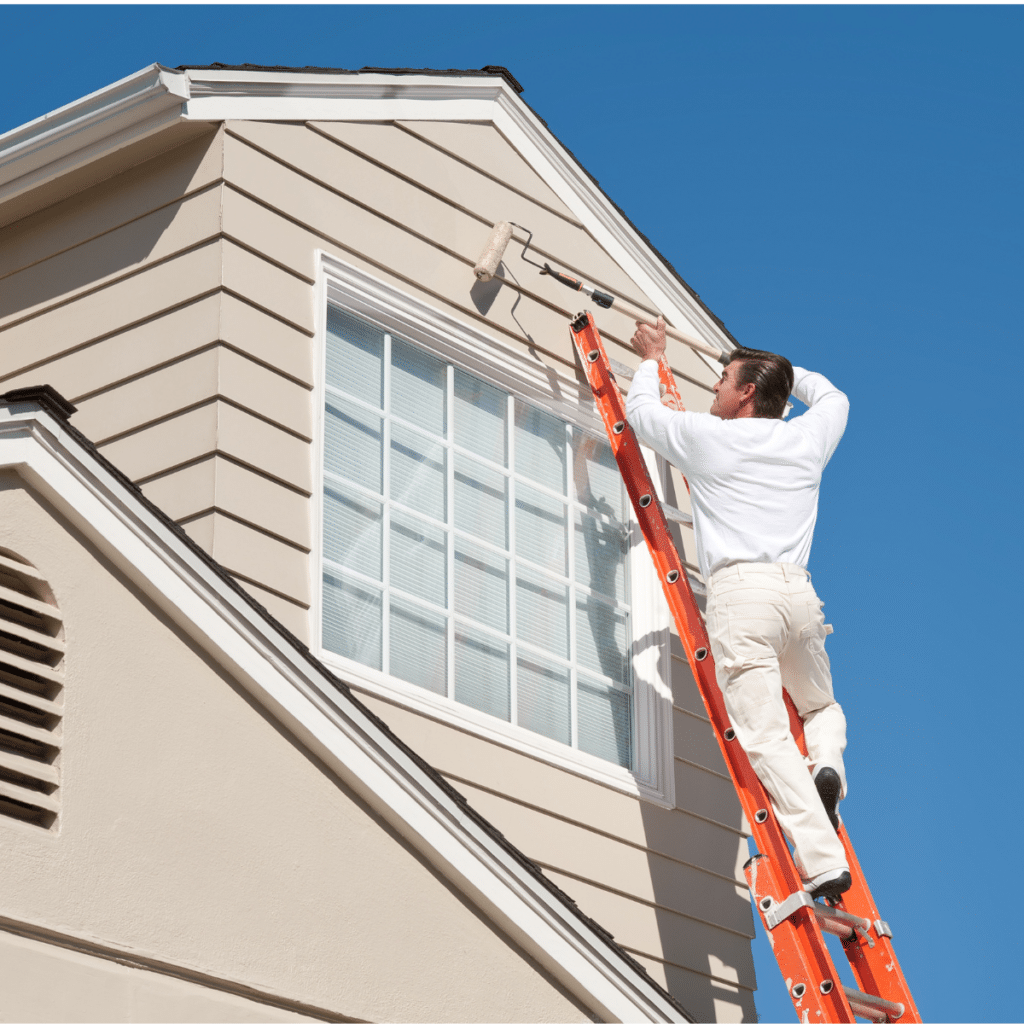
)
(474, 545)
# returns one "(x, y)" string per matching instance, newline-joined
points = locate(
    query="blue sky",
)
(842, 185)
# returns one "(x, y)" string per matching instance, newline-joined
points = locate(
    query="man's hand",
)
(649, 340)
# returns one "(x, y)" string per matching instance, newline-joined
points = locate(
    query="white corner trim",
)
(88, 128)
(350, 741)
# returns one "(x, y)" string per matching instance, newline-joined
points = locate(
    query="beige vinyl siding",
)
(187, 353)
(415, 215)
(192, 363)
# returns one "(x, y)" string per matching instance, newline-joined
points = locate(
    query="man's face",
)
(728, 396)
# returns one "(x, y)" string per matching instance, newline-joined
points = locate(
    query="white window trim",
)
(514, 370)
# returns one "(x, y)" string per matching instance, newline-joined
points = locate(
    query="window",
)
(476, 556)
(474, 545)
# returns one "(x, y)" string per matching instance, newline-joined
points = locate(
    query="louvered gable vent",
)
(31, 694)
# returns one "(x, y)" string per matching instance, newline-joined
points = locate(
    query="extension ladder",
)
(793, 921)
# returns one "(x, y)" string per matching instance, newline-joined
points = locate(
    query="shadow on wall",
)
(99, 232)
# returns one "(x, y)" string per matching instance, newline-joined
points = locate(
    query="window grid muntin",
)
(571, 506)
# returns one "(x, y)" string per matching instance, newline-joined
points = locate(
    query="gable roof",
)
(159, 102)
(319, 709)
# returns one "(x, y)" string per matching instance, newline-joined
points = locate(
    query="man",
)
(754, 481)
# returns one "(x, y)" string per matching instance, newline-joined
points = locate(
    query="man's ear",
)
(748, 391)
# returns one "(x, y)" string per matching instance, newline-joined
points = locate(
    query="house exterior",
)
(351, 691)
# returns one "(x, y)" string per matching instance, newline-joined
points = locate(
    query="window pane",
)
(540, 447)
(418, 562)
(355, 356)
(480, 415)
(481, 585)
(418, 387)
(352, 441)
(542, 612)
(352, 530)
(352, 620)
(601, 549)
(605, 722)
(481, 501)
(543, 696)
(417, 471)
(482, 672)
(596, 478)
(540, 528)
(602, 638)
(419, 646)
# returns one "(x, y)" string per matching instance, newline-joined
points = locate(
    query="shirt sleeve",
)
(828, 408)
(665, 430)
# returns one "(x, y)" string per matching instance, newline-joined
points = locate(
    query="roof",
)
(321, 711)
(487, 69)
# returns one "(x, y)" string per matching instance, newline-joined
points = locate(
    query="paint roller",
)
(501, 235)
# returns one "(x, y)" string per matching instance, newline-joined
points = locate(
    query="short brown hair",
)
(771, 375)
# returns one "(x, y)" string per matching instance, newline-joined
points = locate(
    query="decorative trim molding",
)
(301, 694)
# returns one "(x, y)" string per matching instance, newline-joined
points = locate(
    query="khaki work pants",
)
(767, 633)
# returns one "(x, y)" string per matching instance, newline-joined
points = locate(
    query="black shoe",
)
(829, 786)
(833, 889)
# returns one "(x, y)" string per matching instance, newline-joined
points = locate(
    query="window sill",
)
(494, 730)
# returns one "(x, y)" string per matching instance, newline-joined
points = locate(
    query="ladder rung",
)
(620, 369)
(676, 515)
(872, 1007)
(838, 922)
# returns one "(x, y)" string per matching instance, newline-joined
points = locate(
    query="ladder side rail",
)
(872, 957)
(870, 952)
(811, 977)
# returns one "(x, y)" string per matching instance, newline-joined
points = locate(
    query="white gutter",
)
(102, 122)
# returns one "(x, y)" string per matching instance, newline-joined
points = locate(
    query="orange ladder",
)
(793, 921)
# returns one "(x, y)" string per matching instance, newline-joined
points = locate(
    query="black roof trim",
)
(487, 69)
(43, 396)
(49, 398)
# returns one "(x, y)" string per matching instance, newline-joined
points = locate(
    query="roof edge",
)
(90, 127)
(487, 69)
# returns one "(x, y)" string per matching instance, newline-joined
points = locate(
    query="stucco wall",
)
(193, 831)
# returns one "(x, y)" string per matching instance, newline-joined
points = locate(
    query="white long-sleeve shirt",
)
(753, 482)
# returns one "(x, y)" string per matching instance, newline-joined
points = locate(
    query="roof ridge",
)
(487, 69)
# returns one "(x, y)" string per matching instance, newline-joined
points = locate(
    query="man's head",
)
(753, 383)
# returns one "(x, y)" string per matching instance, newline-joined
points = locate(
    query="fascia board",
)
(273, 96)
(338, 730)
(102, 122)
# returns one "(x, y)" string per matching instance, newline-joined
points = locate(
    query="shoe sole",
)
(829, 786)
(833, 889)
